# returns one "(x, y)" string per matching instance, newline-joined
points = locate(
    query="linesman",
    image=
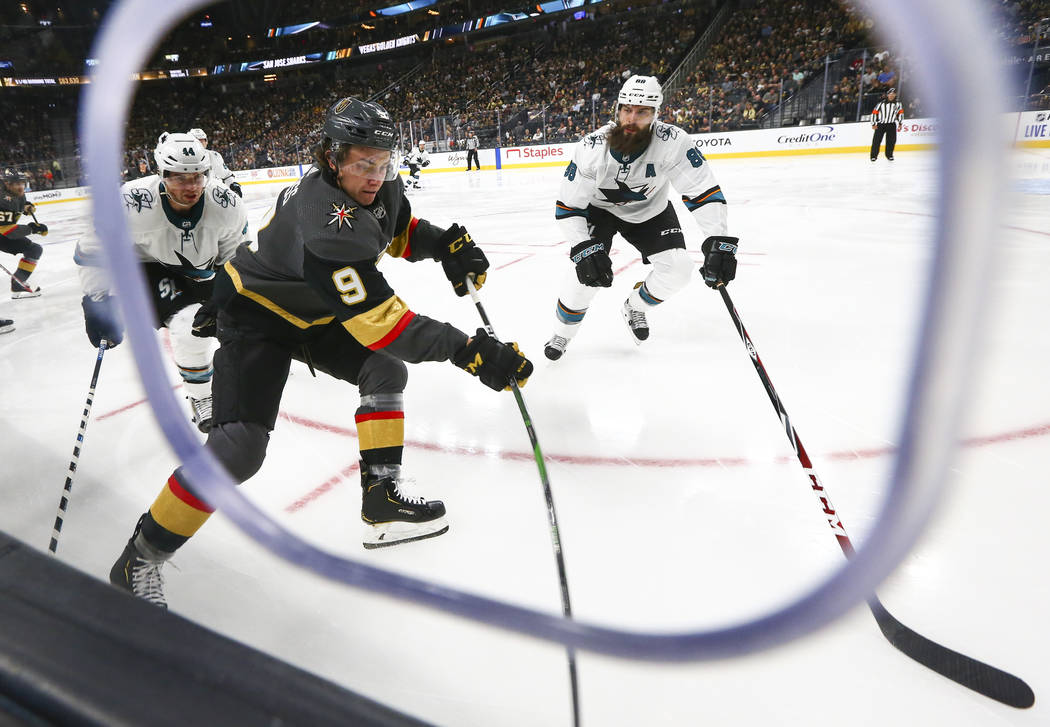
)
(887, 119)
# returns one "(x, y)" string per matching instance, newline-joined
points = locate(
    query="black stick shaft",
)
(552, 517)
(67, 489)
(970, 673)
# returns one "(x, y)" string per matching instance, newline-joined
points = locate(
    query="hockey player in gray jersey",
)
(310, 290)
(184, 226)
(219, 169)
(617, 182)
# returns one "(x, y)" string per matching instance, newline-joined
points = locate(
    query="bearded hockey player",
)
(14, 238)
(184, 226)
(310, 290)
(617, 182)
(219, 170)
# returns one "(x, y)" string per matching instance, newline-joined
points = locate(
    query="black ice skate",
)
(137, 570)
(393, 516)
(556, 347)
(26, 291)
(6, 325)
(636, 323)
(201, 413)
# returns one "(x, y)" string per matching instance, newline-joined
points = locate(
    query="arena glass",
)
(957, 64)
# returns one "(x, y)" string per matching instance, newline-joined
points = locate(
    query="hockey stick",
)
(962, 669)
(17, 280)
(552, 517)
(67, 490)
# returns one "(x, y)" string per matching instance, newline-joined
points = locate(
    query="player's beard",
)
(628, 144)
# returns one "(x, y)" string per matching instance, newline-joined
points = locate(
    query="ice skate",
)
(556, 347)
(636, 323)
(137, 570)
(6, 325)
(201, 413)
(18, 291)
(393, 516)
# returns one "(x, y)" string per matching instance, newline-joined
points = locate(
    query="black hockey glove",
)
(593, 266)
(36, 228)
(493, 362)
(235, 187)
(460, 257)
(204, 322)
(719, 260)
(101, 320)
(426, 163)
(29, 209)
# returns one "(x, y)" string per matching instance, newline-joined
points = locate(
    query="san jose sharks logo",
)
(341, 215)
(624, 194)
(223, 197)
(202, 272)
(138, 199)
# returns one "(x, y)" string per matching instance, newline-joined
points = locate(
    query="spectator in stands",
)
(137, 170)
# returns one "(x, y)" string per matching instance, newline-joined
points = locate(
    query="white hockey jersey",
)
(219, 170)
(635, 189)
(418, 157)
(194, 245)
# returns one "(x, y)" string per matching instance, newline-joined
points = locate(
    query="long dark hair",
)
(320, 153)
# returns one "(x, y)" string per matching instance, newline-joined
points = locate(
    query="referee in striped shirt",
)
(887, 119)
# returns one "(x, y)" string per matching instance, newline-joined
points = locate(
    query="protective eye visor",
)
(370, 163)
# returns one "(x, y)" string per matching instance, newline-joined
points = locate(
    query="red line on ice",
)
(1027, 433)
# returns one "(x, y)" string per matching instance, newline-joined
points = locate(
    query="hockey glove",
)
(29, 209)
(426, 163)
(593, 266)
(493, 362)
(101, 320)
(204, 322)
(235, 187)
(460, 257)
(719, 260)
(36, 228)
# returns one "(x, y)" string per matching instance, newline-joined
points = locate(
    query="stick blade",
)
(961, 669)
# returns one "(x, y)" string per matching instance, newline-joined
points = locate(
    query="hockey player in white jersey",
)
(219, 169)
(416, 160)
(617, 182)
(184, 226)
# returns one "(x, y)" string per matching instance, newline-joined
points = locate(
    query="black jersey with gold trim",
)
(315, 262)
(11, 210)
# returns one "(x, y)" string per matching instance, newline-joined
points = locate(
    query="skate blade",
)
(386, 534)
(15, 295)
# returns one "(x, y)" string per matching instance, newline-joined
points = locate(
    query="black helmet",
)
(352, 121)
(13, 176)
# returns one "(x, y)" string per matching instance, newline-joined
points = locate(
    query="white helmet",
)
(641, 91)
(198, 134)
(181, 153)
